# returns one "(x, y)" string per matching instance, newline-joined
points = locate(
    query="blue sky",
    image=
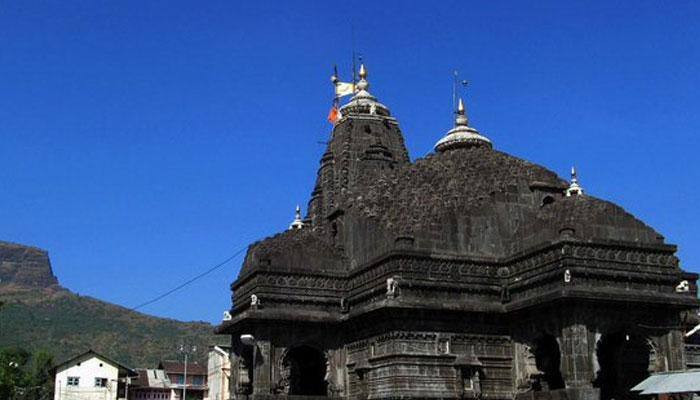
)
(143, 142)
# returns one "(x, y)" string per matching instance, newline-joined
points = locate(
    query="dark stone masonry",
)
(469, 273)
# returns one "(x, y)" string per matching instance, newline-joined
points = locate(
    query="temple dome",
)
(587, 218)
(462, 135)
(363, 102)
(477, 201)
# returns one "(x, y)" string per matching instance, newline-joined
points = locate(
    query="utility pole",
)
(186, 350)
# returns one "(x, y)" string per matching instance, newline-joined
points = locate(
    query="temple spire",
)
(574, 187)
(297, 223)
(363, 102)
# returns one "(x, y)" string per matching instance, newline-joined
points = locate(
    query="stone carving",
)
(530, 376)
(392, 287)
(683, 287)
(243, 385)
(254, 301)
(567, 276)
(283, 384)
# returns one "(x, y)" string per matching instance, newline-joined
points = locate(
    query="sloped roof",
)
(670, 382)
(122, 368)
(152, 378)
(177, 367)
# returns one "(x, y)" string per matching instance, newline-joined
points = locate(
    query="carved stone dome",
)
(462, 135)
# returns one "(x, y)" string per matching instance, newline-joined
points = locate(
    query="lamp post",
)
(249, 340)
(186, 350)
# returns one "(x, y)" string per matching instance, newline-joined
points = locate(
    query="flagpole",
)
(352, 45)
(454, 92)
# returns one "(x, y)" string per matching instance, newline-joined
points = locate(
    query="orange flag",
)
(334, 115)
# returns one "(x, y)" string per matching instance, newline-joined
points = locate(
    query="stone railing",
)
(692, 355)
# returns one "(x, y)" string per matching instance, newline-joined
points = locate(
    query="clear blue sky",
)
(142, 142)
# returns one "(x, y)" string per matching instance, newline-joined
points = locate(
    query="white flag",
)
(344, 89)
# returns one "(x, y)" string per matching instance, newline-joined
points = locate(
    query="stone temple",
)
(467, 274)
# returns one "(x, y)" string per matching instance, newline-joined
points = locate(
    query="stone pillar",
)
(261, 382)
(670, 352)
(576, 364)
(335, 373)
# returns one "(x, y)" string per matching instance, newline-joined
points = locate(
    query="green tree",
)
(25, 376)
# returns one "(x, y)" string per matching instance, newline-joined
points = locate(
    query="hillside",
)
(39, 314)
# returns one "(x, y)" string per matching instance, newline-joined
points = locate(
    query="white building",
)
(91, 376)
(218, 372)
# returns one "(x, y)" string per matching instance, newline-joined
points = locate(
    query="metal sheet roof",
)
(670, 382)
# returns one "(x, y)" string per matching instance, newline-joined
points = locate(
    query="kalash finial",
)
(297, 223)
(574, 187)
(461, 119)
(363, 84)
(462, 135)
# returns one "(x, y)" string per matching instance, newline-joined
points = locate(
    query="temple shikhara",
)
(468, 273)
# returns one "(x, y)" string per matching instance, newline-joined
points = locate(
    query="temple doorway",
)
(624, 362)
(548, 361)
(305, 368)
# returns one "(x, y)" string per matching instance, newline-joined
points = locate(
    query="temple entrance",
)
(305, 369)
(624, 362)
(548, 361)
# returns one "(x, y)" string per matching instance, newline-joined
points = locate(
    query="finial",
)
(297, 223)
(462, 135)
(461, 118)
(574, 187)
(363, 85)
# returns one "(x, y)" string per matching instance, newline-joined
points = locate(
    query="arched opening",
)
(548, 361)
(624, 362)
(547, 200)
(305, 367)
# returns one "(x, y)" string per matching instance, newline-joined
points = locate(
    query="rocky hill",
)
(25, 266)
(37, 313)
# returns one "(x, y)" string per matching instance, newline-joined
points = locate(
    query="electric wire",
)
(191, 280)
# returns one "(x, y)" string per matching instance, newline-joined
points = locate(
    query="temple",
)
(469, 273)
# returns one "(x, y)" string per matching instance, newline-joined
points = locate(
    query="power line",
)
(191, 280)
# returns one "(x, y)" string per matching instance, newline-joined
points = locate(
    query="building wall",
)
(219, 368)
(87, 370)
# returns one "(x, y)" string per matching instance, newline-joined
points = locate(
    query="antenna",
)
(456, 82)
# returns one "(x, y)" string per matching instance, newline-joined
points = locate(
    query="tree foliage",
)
(24, 375)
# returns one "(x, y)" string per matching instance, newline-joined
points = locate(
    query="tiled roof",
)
(177, 367)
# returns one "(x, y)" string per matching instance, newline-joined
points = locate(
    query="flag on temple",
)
(334, 115)
(343, 89)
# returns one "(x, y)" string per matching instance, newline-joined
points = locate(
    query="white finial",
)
(574, 187)
(297, 223)
(462, 135)
(461, 118)
(363, 85)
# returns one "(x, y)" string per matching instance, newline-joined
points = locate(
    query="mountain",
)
(26, 266)
(37, 313)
